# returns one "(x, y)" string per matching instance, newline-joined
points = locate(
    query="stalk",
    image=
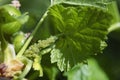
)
(3, 45)
(114, 27)
(7, 50)
(20, 53)
(27, 68)
(116, 17)
(2, 39)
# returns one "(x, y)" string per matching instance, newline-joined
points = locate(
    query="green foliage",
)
(101, 3)
(36, 9)
(5, 17)
(10, 19)
(82, 31)
(18, 40)
(10, 23)
(92, 71)
(78, 30)
(51, 72)
(11, 10)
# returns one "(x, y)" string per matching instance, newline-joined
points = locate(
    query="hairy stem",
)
(32, 35)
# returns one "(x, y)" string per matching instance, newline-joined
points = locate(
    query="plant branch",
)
(27, 67)
(114, 27)
(32, 35)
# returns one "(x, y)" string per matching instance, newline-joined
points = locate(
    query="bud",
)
(16, 3)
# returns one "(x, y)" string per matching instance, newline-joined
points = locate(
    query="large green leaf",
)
(101, 3)
(92, 71)
(82, 31)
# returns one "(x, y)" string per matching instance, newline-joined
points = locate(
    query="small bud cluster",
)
(16, 3)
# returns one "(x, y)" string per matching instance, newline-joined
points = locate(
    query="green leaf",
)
(82, 30)
(13, 11)
(8, 22)
(101, 3)
(5, 17)
(11, 19)
(12, 27)
(114, 8)
(18, 41)
(23, 18)
(92, 71)
(51, 72)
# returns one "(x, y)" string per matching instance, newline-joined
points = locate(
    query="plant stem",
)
(2, 39)
(3, 44)
(27, 68)
(114, 27)
(32, 35)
